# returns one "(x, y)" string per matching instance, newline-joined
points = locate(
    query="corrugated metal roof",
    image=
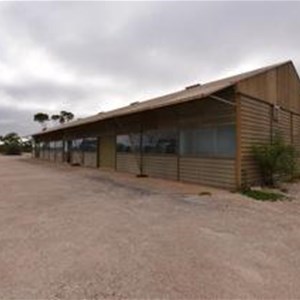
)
(188, 94)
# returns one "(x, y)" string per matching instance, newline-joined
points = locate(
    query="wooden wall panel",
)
(279, 86)
(161, 166)
(76, 157)
(90, 159)
(296, 132)
(46, 154)
(208, 171)
(59, 156)
(255, 129)
(206, 112)
(107, 151)
(128, 163)
(52, 155)
(284, 126)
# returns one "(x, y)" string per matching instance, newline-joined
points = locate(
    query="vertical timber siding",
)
(280, 86)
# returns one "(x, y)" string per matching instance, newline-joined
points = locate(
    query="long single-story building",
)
(203, 134)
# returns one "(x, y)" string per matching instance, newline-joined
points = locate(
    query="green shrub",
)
(277, 161)
(263, 195)
(11, 144)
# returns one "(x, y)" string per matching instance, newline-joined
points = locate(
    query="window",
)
(160, 141)
(208, 141)
(52, 145)
(128, 143)
(89, 145)
(59, 145)
(225, 140)
(76, 144)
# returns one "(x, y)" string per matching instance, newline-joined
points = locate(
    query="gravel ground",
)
(75, 233)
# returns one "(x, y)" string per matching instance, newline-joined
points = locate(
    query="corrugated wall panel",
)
(296, 132)
(255, 129)
(107, 151)
(76, 157)
(208, 171)
(59, 156)
(52, 155)
(161, 166)
(90, 159)
(284, 126)
(46, 154)
(128, 163)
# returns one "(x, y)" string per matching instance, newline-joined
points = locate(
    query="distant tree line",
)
(61, 118)
(13, 144)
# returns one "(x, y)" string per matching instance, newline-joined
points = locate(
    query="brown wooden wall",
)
(161, 166)
(77, 157)
(129, 163)
(278, 86)
(255, 129)
(90, 159)
(258, 127)
(212, 172)
(107, 151)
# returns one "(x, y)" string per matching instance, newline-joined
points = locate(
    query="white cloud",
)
(94, 56)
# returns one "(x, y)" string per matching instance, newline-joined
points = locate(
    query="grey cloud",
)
(146, 48)
(15, 120)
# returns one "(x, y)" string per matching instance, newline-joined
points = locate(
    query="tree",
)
(12, 144)
(41, 118)
(55, 118)
(63, 117)
(66, 116)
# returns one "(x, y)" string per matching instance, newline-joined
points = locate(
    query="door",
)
(107, 151)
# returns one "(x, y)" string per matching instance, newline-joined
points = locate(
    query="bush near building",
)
(11, 144)
(277, 161)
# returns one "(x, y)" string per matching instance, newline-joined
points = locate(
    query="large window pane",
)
(226, 138)
(208, 141)
(205, 141)
(52, 145)
(160, 141)
(76, 144)
(128, 142)
(89, 145)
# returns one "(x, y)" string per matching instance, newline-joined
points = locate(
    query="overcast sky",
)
(91, 57)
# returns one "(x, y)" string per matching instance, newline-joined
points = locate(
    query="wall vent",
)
(134, 103)
(193, 86)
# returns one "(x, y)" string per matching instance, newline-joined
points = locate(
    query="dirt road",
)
(74, 233)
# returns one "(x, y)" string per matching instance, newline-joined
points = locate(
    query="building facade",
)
(203, 134)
